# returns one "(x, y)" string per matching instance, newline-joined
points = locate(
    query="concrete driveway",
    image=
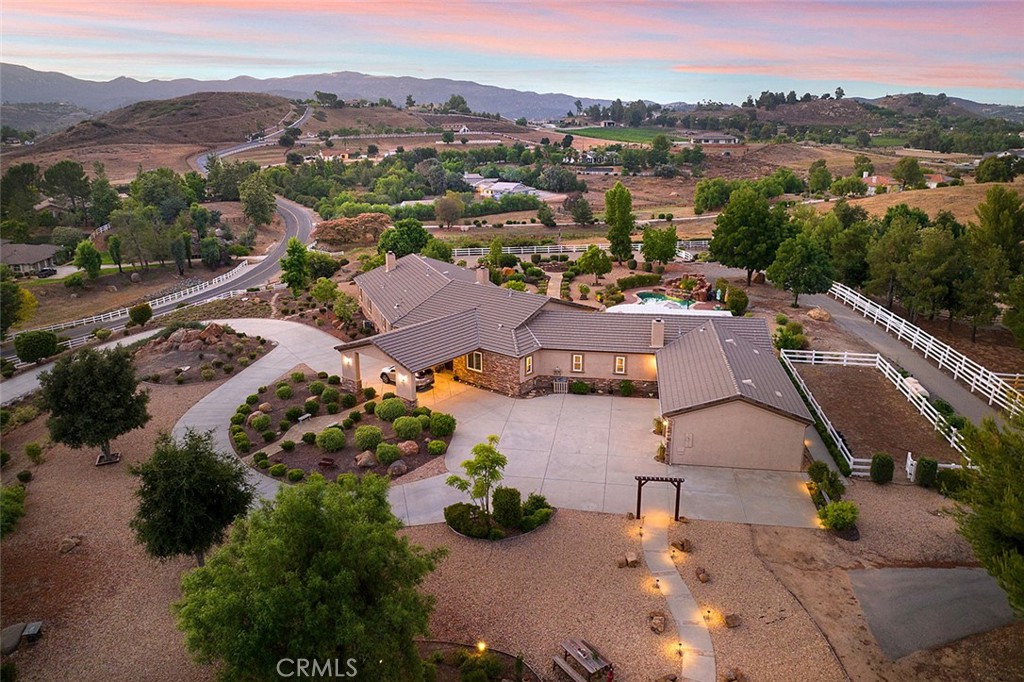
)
(582, 452)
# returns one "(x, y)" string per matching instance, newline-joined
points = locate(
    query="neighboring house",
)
(24, 258)
(933, 180)
(328, 154)
(883, 182)
(472, 179)
(460, 128)
(712, 374)
(496, 189)
(607, 124)
(713, 138)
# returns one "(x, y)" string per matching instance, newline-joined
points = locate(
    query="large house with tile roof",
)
(710, 374)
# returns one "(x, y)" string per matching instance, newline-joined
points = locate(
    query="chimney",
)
(389, 261)
(657, 333)
(864, 174)
(483, 275)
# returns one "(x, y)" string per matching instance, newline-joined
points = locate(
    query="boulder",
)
(683, 545)
(658, 625)
(397, 468)
(702, 574)
(408, 448)
(191, 346)
(10, 638)
(632, 560)
(111, 289)
(732, 620)
(253, 415)
(622, 563)
(266, 408)
(734, 675)
(366, 460)
(758, 278)
(69, 543)
(212, 333)
(819, 314)
(136, 278)
(177, 336)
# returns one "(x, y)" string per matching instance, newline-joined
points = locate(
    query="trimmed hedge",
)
(437, 447)
(634, 281)
(442, 425)
(390, 409)
(387, 454)
(277, 470)
(466, 519)
(407, 428)
(331, 440)
(926, 473)
(507, 504)
(882, 467)
(839, 515)
(296, 475)
(368, 437)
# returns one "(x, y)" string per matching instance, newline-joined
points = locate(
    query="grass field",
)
(616, 134)
(878, 141)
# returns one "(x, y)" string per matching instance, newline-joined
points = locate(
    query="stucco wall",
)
(737, 434)
(639, 366)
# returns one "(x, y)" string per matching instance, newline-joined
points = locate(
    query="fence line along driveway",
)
(687, 245)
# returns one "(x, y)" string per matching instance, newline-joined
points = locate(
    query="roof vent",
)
(778, 394)
(732, 341)
(748, 382)
(757, 352)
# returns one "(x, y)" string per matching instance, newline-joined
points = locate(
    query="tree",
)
(19, 192)
(92, 398)
(819, 178)
(801, 266)
(887, 254)
(33, 346)
(448, 209)
(545, 216)
(594, 261)
(447, 137)
(618, 214)
(88, 258)
(908, 171)
(67, 239)
(324, 290)
(257, 199)
(983, 277)
(295, 266)
(483, 472)
(1013, 317)
(931, 272)
(186, 246)
(659, 245)
(494, 254)
(179, 254)
(321, 265)
(438, 249)
(345, 307)
(995, 169)
(840, 93)
(16, 304)
(582, 213)
(320, 574)
(189, 493)
(863, 140)
(747, 232)
(660, 147)
(103, 198)
(851, 186)
(140, 314)
(209, 252)
(407, 236)
(114, 250)
(990, 517)
(1001, 223)
(456, 104)
(67, 179)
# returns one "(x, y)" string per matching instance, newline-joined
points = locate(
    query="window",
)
(577, 362)
(620, 364)
(475, 361)
(529, 365)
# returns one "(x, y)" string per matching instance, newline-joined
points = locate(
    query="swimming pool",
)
(663, 300)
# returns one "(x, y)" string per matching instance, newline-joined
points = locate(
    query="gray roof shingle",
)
(26, 254)
(429, 343)
(412, 281)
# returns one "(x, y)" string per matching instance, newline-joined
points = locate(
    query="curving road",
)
(202, 160)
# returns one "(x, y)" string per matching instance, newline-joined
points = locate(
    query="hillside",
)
(44, 118)
(821, 112)
(960, 201)
(915, 104)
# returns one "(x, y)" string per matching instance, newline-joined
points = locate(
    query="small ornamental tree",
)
(140, 314)
(801, 266)
(189, 493)
(34, 346)
(88, 258)
(595, 262)
(92, 398)
(483, 472)
(295, 266)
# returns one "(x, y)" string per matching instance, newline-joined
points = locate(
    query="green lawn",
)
(618, 134)
(878, 141)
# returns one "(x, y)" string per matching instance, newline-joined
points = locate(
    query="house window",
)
(620, 364)
(577, 362)
(475, 361)
(529, 365)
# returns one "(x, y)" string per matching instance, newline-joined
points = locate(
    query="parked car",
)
(424, 378)
(46, 272)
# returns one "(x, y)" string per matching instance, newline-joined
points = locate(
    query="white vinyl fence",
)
(995, 388)
(688, 245)
(911, 466)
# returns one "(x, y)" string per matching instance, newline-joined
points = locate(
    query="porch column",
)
(351, 380)
(405, 385)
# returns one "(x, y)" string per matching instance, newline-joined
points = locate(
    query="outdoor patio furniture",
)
(112, 458)
(586, 656)
(559, 663)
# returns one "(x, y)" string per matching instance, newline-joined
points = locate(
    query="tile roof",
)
(412, 281)
(26, 254)
(713, 364)
(428, 343)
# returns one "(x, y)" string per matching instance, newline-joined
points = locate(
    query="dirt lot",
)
(960, 201)
(121, 161)
(873, 415)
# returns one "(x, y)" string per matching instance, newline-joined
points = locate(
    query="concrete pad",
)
(623, 470)
(716, 480)
(573, 466)
(544, 408)
(524, 484)
(590, 440)
(910, 609)
(765, 511)
(697, 666)
(574, 494)
(528, 463)
(712, 507)
(520, 435)
(757, 483)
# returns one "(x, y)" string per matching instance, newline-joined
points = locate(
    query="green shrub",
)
(535, 502)
(369, 393)
(634, 281)
(626, 388)
(34, 346)
(536, 519)
(388, 454)
(952, 482)
(332, 408)
(507, 506)
(407, 428)
(5, 457)
(102, 334)
(424, 421)
(244, 409)
(284, 392)
(278, 469)
(252, 399)
(737, 301)
(284, 425)
(207, 375)
(436, 447)
(927, 470)
(391, 409)
(442, 425)
(817, 471)
(480, 675)
(838, 515)
(334, 380)
(263, 463)
(12, 508)
(466, 519)
(328, 395)
(287, 445)
(579, 387)
(331, 440)
(882, 467)
(943, 407)
(34, 451)
(387, 396)
(309, 437)
(260, 423)
(24, 476)
(790, 336)
(316, 388)
(347, 424)
(370, 407)
(297, 377)
(296, 475)
(422, 411)
(368, 437)
(833, 486)
(355, 415)
(631, 264)
(293, 413)
(242, 442)
(781, 319)
(268, 435)
(312, 407)
(348, 401)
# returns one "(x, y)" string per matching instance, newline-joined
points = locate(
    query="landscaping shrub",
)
(534, 503)
(536, 519)
(242, 442)
(952, 482)
(259, 455)
(316, 388)
(737, 301)
(34, 346)
(579, 387)
(24, 476)
(391, 409)
(252, 399)
(332, 408)
(102, 334)
(422, 411)
(646, 267)
(309, 437)
(243, 409)
(387, 396)
(833, 485)
(626, 388)
(34, 451)
(790, 336)
(424, 421)
(355, 415)
(466, 519)
(943, 407)
(507, 506)
(284, 425)
(348, 401)
(347, 424)
(284, 392)
(882, 467)
(407, 428)
(369, 393)
(631, 264)
(331, 440)
(268, 435)
(334, 380)
(5, 457)
(297, 377)
(263, 463)
(368, 437)
(312, 407)
(441, 425)
(328, 395)
(296, 475)
(207, 374)
(293, 413)
(817, 471)
(277, 470)
(235, 428)
(260, 423)
(12, 508)
(436, 447)
(781, 319)
(927, 470)
(370, 407)
(634, 281)
(480, 675)
(838, 515)
(287, 445)
(387, 454)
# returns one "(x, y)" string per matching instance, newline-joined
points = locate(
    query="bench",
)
(113, 458)
(304, 417)
(559, 662)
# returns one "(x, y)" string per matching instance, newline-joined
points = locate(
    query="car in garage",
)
(424, 378)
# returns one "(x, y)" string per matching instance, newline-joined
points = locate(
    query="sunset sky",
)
(659, 50)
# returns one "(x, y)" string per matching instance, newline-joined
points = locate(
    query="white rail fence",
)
(688, 245)
(98, 231)
(995, 388)
(911, 466)
(862, 466)
(154, 303)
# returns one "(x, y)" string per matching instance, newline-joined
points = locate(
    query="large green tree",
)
(88, 258)
(618, 214)
(748, 232)
(887, 256)
(908, 172)
(1001, 222)
(992, 518)
(189, 493)
(67, 179)
(1013, 317)
(448, 209)
(659, 245)
(257, 200)
(407, 236)
(320, 573)
(19, 193)
(295, 266)
(983, 277)
(114, 250)
(93, 398)
(594, 261)
(16, 303)
(931, 272)
(801, 266)
(819, 177)
(103, 198)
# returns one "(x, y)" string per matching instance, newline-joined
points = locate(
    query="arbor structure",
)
(594, 261)
(295, 266)
(93, 398)
(483, 473)
(321, 574)
(189, 493)
(747, 232)
(801, 266)
(618, 214)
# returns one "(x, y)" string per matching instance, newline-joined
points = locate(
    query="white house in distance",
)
(494, 188)
(713, 139)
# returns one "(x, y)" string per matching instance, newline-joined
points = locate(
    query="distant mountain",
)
(48, 117)
(915, 103)
(20, 84)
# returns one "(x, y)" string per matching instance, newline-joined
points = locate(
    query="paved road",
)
(202, 160)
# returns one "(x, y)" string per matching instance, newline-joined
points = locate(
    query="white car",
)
(424, 378)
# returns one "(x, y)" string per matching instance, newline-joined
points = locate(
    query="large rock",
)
(111, 289)
(69, 543)
(136, 278)
(212, 333)
(658, 624)
(758, 278)
(408, 448)
(10, 638)
(819, 314)
(177, 336)
(398, 467)
(266, 408)
(252, 416)
(191, 346)
(366, 460)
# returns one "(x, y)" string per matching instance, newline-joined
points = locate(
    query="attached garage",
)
(727, 402)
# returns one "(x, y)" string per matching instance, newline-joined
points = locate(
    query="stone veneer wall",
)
(501, 373)
(641, 389)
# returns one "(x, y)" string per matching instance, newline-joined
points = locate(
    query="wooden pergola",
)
(641, 481)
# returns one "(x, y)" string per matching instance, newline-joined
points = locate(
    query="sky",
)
(664, 51)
